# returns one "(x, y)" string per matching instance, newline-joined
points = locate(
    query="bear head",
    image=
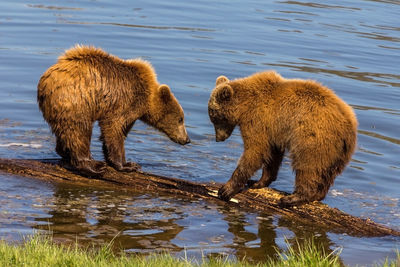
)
(167, 115)
(220, 109)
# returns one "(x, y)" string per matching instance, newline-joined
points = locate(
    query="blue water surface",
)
(352, 47)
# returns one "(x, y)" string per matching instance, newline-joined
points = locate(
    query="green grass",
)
(395, 263)
(41, 251)
(307, 255)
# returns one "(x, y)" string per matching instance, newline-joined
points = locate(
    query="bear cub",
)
(87, 85)
(274, 114)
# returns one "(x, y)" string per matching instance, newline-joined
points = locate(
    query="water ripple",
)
(380, 136)
(193, 29)
(318, 5)
(361, 76)
(54, 7)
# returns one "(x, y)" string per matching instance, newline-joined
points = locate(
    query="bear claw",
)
(223, 195)
(226, 192)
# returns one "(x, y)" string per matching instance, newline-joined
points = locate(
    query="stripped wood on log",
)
(263, 200)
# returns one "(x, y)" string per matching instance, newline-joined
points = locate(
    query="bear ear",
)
(221, 79)
(224, 93)
(165, 93)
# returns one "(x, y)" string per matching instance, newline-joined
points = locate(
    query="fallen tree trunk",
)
(266, 200)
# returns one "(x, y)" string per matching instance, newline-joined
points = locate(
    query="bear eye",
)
(180, 120)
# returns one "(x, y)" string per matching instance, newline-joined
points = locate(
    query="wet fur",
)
(275, 115)
(87, 85)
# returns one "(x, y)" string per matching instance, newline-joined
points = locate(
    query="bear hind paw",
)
(256, 184)
(88, 168)
(292, 200)
(127, 167)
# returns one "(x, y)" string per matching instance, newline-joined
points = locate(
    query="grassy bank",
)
(40, 251)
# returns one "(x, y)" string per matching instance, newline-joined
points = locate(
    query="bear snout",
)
(222, 132)
(182, 137)
(186, 141)
(221, 135)
(182, 140)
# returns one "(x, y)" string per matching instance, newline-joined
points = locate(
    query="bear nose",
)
(187, 141)
(219, 139)
(221, 136)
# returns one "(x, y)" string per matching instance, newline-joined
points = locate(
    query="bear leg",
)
(115, 157)
(73, 145)
(62, 151)
(270, 171)
(249, 163)
(113, 146)
(310, 186)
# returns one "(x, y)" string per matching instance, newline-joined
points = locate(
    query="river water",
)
(352, 47)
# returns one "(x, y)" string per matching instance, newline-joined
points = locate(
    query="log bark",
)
(264, 200)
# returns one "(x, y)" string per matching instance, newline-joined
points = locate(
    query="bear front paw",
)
(227, 191)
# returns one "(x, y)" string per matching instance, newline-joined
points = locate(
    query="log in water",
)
(266, 200)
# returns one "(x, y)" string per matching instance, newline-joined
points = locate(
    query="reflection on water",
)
(146, 223)
(351, 47)
(97, 217)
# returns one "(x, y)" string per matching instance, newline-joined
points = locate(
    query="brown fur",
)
(275, 114)
(87, 85)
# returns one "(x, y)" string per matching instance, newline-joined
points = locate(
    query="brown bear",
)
(274, 114)
(87, 85)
